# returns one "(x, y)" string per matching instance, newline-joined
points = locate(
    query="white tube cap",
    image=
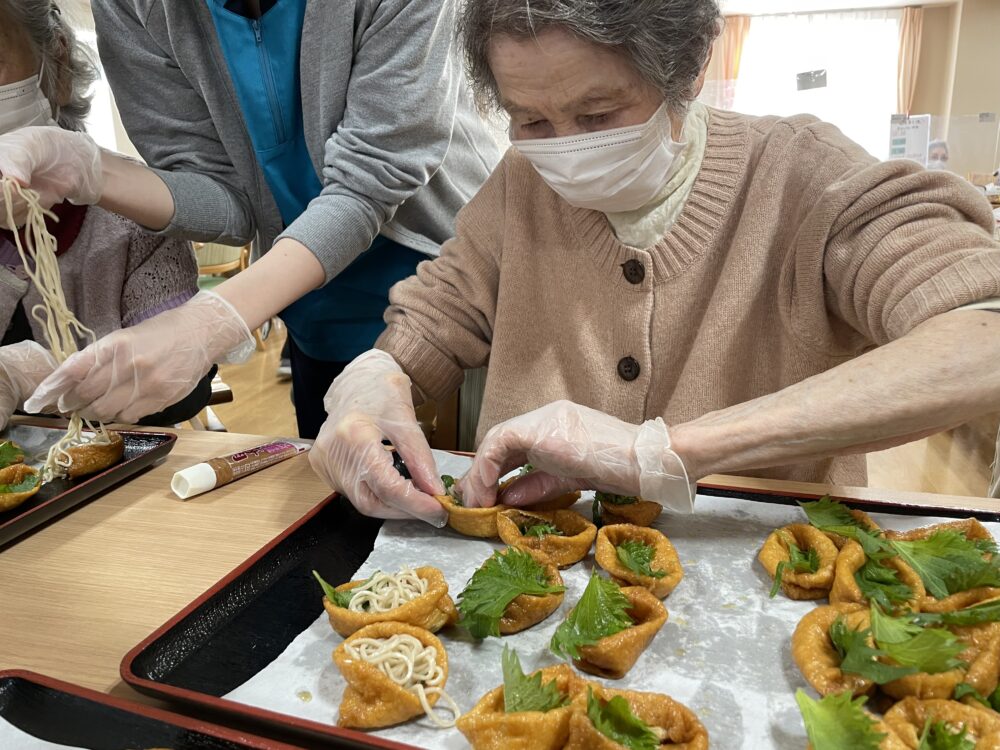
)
(193, 481)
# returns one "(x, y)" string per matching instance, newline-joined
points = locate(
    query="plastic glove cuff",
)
(662, 476)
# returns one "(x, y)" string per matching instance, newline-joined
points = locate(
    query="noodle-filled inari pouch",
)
(894, 584)
(639, 556)
(800, 559)
(420, 597)
(93, 457)
(18, 482)
(526, 712)
(367, 661)
(625, 509)
(609, 628)
(980, 667)
(910, 719)
(564, 536)
(475, 522)
(816, 656)
(653, 719)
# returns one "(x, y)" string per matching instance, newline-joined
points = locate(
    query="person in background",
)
(114, 274)
(665, 291)
(937, 155)
(341, 135)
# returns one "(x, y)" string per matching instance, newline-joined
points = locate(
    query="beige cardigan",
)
(795, 251)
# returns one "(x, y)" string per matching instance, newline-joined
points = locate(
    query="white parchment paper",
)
(724, 651)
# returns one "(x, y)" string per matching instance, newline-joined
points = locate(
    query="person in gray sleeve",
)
(340, 136)
(114, 275)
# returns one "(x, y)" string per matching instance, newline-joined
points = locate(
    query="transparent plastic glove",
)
(573, 447)
(22, 367)
(138, 371)
(370, 401)
(59, 164)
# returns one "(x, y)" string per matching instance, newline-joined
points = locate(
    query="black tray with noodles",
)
(142, 450)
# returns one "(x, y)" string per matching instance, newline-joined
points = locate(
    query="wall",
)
(936, 71)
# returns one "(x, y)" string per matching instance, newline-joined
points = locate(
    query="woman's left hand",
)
(573, 447)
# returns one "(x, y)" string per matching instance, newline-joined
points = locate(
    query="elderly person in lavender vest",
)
(114, 274)
(662, 290)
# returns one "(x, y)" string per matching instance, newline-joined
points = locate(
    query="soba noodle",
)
(412, 666)
(60, 326)
(386, 591)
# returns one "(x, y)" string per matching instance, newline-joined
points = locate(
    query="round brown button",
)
(634, 271)
(628, 368)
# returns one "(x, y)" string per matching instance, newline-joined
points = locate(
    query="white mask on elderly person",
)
(23, 104)
(610, 170)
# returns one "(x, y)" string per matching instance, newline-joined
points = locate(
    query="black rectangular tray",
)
(245, 621)
(56, 711)
(142, 450)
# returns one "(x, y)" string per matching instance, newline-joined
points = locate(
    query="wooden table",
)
(77, 594)
(81, 591)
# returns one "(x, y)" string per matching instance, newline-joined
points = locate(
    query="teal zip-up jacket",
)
(388, 119)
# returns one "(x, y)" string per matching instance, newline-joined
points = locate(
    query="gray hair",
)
(668, 41)
(63, 58)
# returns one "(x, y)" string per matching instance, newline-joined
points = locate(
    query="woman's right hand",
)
(58, 164)
(369, 401)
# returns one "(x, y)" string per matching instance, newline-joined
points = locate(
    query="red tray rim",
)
(150, 712)
(285, 721)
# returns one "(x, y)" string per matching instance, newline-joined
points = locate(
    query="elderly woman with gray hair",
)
(114, 274)
(662, 290)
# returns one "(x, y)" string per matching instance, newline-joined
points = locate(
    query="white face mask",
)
(610, 170)
(23, 104)
(937, 164)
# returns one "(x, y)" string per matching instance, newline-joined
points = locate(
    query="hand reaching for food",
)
(22, 367)
(137, 371)
(59, 164)
(370, 401)
(575, 447)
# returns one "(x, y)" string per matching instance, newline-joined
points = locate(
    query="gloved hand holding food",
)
(371, 400)
(58, 164)
(140, 370)
(574, 447)
(22, 367)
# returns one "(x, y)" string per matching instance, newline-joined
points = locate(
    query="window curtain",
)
(910, 30)
(859, 52)
(724, 67)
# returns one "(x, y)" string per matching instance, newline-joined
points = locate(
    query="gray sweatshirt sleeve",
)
(395, 132)
(171, 127)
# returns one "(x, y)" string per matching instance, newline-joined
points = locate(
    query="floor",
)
(955, 463)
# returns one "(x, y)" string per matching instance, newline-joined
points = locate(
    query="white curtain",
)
(859, 50)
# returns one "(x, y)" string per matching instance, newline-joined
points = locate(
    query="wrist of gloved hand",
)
(232, 341)
(662, 476)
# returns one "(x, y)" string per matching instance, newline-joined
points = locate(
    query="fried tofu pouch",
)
(640, 513)
(805, 585)
(816, 656)
(526, 610)
(560, 502)
(12, 475)
(982, 657)
(851, 559)
(564, 550)
(475, 522)
(908, 717)
(664, 558)
(91, 458)
(489, 727)
(614, 655)
(972, 530)
(676, 724)
(432, 610)
(371, 699)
